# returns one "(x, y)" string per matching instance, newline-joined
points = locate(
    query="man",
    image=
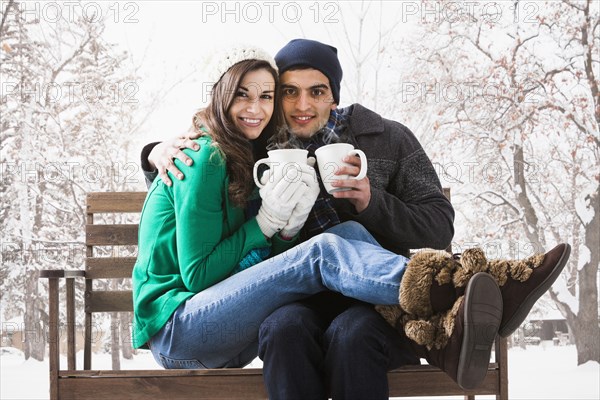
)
(330, 344)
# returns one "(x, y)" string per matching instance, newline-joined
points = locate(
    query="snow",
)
(583, 203)
(538, 372)
(564, 296)
(585, 256)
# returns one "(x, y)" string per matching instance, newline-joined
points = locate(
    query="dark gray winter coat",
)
(408, 209)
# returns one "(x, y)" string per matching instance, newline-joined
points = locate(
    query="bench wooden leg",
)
(53, 339)
(71, 363)
(87, 348)
(502, 360)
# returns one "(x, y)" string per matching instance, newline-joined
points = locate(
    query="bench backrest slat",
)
(109, 267)
(111, 235)
(115, 202)
(109, 301)
(446, 192)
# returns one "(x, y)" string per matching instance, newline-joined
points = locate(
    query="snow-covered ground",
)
(540, 372)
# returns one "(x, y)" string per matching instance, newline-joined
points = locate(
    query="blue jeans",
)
(308, 356)
(218, 327)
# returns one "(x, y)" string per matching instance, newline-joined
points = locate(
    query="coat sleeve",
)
(149, 173)
(412, 211)
(204, 255)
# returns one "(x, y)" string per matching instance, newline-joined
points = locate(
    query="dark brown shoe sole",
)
(482, 312)
(519, 316)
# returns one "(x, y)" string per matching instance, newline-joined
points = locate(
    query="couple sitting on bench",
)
(318, 283)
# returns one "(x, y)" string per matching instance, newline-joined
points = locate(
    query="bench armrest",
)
(53, 276)
(61, 273)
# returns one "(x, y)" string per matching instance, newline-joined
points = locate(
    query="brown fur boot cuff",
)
(428, 275)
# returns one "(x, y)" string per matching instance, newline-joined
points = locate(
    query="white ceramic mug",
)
(281, 162)
(329, 159)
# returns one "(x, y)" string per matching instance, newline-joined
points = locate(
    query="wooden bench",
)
(246, 383)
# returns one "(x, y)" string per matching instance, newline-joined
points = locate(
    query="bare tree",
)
(368, 52)
(65, 86)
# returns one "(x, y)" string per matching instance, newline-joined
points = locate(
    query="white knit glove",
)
(279, 198)
(306, 203)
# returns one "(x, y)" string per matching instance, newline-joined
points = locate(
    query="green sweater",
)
(190, 238)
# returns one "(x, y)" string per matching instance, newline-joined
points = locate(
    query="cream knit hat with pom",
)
(228, 56)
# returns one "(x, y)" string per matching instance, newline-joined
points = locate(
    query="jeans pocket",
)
(172, 363)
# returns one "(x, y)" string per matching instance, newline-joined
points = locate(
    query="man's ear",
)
(334, 106)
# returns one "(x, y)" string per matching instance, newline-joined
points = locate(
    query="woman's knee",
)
(328, 246)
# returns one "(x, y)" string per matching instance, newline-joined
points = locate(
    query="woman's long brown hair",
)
(238, 151)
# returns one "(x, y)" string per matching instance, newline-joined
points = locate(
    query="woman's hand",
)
(279, 198)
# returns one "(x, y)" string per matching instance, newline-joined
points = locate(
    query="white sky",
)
(170, 40)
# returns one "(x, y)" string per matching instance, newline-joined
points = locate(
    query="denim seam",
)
(244, 289)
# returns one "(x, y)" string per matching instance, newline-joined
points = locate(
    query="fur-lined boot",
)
(522, 282)
(428, 286)
(459, 341)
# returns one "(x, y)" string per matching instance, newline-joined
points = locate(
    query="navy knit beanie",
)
(313, 54)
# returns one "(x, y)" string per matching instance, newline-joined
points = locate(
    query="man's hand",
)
(162, 156)
(360, 195)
